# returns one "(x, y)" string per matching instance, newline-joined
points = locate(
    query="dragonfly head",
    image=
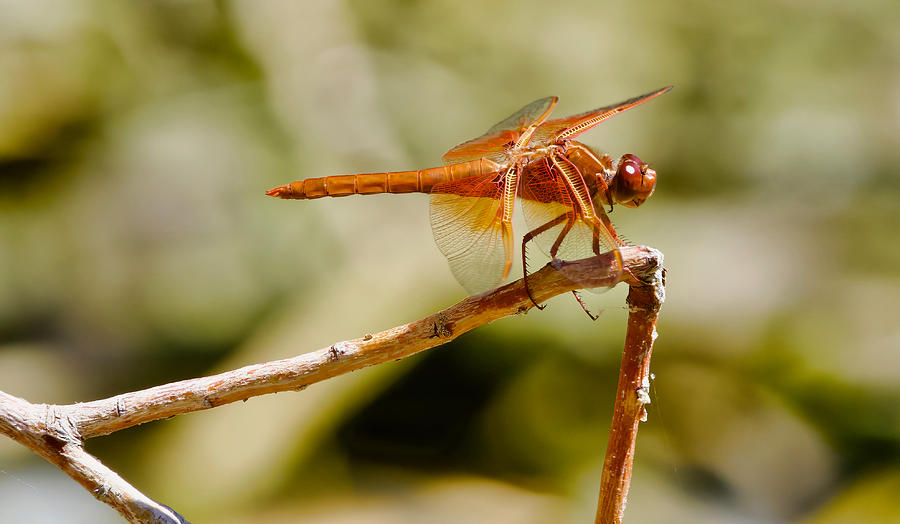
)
(634, 181)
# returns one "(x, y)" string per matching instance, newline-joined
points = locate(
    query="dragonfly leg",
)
(583, 307)
(527, 238)
(606, 192)
(555, 249)
(596, 247)
(625, 269)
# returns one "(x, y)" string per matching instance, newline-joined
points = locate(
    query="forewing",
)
(502, 135)
(466, 219)
(526, 116)
(572, 126)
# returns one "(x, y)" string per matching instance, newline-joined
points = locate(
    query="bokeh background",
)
(137, 248)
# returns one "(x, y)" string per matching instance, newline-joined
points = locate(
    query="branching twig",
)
(46, 430)
(57, 432)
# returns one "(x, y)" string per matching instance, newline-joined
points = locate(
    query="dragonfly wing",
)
(503, 135)
(572, 126)
(466, 219)
(536, 111)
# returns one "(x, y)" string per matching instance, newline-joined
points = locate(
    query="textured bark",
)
(632, 396)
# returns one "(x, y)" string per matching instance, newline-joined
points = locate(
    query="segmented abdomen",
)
(421, 181)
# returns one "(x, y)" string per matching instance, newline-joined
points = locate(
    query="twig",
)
(46, 431)
(632, 396)
(105, 416)
(57, 432)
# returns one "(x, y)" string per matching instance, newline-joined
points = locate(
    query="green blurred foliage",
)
(137, 248)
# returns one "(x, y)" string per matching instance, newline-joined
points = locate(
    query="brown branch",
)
(60, 440)
(632, 396)
(45, 430)
(105, 416)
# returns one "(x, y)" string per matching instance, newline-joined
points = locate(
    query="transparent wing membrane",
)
(524, 117)
(466, 219)
(574, 125)
(493, 144)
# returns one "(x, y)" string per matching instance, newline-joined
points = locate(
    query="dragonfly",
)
(563, 186)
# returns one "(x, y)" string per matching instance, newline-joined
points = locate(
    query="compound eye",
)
(635, 181)
(630, 171)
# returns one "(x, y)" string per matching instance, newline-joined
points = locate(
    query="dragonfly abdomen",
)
(421, 181)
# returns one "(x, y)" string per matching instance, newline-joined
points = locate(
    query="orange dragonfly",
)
(562, 184)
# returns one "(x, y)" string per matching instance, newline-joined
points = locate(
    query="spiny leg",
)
(583, 307)
(582, 211)
(606, 192)
(555, 249)
(529, 236)
(595, 247)
(619, 260)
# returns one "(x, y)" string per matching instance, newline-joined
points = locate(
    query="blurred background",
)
(137, 247)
